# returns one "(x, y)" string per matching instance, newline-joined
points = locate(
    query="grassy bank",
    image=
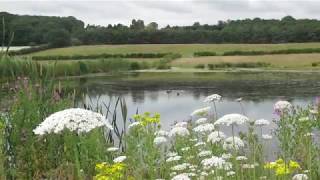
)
(186, 50)
(290, 61)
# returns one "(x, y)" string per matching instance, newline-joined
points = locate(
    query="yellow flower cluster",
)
(146, 118)
(110, 171)
(282, 168)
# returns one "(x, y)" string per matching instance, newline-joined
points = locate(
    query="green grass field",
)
(283, 61)
(287, 61)
(186, 50)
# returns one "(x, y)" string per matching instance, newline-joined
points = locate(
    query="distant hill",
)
(65, 31)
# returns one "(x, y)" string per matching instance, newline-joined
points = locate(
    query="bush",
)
(200, 66)
(204, 53)
(284, 51)
(104, 55)
(314, 64)
(58, 38)
(134, 66)
(238, 65)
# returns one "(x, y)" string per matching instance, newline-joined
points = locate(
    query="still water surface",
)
(175, 96)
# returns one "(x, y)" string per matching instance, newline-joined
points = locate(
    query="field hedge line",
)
(255, 53)
(101, 56)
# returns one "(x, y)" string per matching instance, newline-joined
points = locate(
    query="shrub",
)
(134, 66)
(200, 66)
(204, 53)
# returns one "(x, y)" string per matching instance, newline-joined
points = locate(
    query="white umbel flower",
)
(173, 158)
(179, 131)
(180, 167)
(261, 122)
(204, 128)
(112, 149)
(215, 137)
(161, 133)
(233, 143)
(160, 140)
(201, 112)
(134, 124)
(75, 119)
(204, 153)
(119, 159)
(201, 121)
(282, 106)
(266, 137)
(212, 98)
(183, 176)
(241, 158)
(181, 124)
(300, 177)
(232, 119)
(213, 162)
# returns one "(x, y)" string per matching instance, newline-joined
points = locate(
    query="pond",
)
(176, 95)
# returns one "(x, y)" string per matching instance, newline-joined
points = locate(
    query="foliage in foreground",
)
(208, 146)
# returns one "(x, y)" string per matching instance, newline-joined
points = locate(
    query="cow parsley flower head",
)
(183, 176)
(201, 121)
(119, 159)
(134, 124)
(74, 119)
(179, 131)
(204, 128)
(201, 112)
(282, 106)
(233, 143)
(160, 140)
(180, 167)
(232, 119)
(241, 158)
(112, 149)
(266, 137)
(173, 158)
(204, 153)
(215, 137)
(161, 133)
(213, 162)
(212, 98)
(181, 124)
(300, 177)
(261, 122)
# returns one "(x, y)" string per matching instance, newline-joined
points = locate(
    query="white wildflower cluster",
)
(183, 176)
(74, 119)
(214, 162)
(204, 128)
(282, 106)
(300, 177)
(266, 137)
(233, 143)
(181, 124)
(119, 159)
(173, 157)
(232, 119)
(161, 133)
(179, 131)
(134, 125)
(216, 137)
(204, 153)
(261, 122)
(201, 112)
(180, 167)
(160, 140)
(212, 98)
(112, 149)
(201, 121)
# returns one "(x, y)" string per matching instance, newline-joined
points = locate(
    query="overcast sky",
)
(173, 12)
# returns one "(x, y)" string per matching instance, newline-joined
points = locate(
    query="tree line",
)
(65, 31)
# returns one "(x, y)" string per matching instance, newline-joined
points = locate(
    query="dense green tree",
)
(58, 38)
